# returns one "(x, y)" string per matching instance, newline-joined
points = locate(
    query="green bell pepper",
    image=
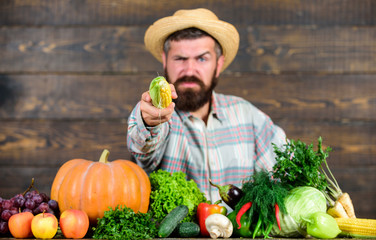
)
(245, 222)
(322, 225)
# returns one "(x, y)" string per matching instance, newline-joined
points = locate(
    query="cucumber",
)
(172, 220)
(188, 229)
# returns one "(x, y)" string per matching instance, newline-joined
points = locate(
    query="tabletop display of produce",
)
(300, 198)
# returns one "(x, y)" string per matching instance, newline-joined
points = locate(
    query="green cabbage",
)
(300, 203)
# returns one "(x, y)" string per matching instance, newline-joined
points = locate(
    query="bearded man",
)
(205, 134)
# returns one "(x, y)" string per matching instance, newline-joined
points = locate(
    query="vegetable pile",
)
(299, 198)
(263, 199)
(299, 165)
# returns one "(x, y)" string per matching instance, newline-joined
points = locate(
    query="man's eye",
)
(201, 59)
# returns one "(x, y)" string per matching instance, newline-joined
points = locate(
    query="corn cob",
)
(165, 96)
(357, 227)
(160, 92)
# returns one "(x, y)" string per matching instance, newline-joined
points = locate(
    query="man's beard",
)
(189, 99)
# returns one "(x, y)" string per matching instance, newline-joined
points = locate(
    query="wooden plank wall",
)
(71, 71)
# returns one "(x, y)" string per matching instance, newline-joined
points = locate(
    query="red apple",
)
(20, 225)
(74, 223)
(44, 225)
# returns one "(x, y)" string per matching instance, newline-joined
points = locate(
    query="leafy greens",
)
(124, 223)
(298, 164)
(172, 190)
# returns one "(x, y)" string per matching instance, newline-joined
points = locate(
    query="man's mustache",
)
(192, 79)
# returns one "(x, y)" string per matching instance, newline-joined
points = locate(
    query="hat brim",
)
(223, 32)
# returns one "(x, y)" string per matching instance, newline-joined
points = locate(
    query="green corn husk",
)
(160, 92)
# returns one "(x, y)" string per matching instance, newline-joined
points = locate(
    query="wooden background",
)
(72, 70)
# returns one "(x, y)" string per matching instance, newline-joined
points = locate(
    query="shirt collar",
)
(216, 110)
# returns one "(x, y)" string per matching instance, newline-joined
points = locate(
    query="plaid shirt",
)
(235, 142)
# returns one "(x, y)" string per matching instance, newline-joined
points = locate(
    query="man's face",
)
(192, 66)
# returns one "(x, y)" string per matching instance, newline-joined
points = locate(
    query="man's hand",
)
(153, 116)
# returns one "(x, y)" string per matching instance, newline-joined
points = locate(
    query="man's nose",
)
(190, 67)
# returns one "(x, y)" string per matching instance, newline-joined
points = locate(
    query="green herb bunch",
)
(298, 164)
(124, 223)
(171, 190)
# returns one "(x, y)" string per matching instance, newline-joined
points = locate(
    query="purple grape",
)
(36, 210)
(19, 202)
(7, 204)
(31, 194)
(27, 210)
(17, 195)
(53, 205)
(34, 192)
(43, 207)
(37, 199)
(45, 197)
(6, 214)
(30, 204)
(14, 210)
(28, 195)
(4, 227)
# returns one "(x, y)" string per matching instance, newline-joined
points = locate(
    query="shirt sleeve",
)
(146, 144)
(266, 134)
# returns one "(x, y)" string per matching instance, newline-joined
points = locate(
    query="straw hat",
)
(225, 33)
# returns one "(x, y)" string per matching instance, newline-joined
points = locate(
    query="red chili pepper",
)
(203, 212)
(277, 215)
(242, 210)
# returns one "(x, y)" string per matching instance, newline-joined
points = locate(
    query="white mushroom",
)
(218, 225)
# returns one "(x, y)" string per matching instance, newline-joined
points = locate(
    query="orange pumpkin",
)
(95, 186)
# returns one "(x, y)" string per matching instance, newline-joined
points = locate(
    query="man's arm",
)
(148, 130)
(145, 143)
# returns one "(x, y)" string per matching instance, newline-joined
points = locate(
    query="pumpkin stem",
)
(104, 156)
